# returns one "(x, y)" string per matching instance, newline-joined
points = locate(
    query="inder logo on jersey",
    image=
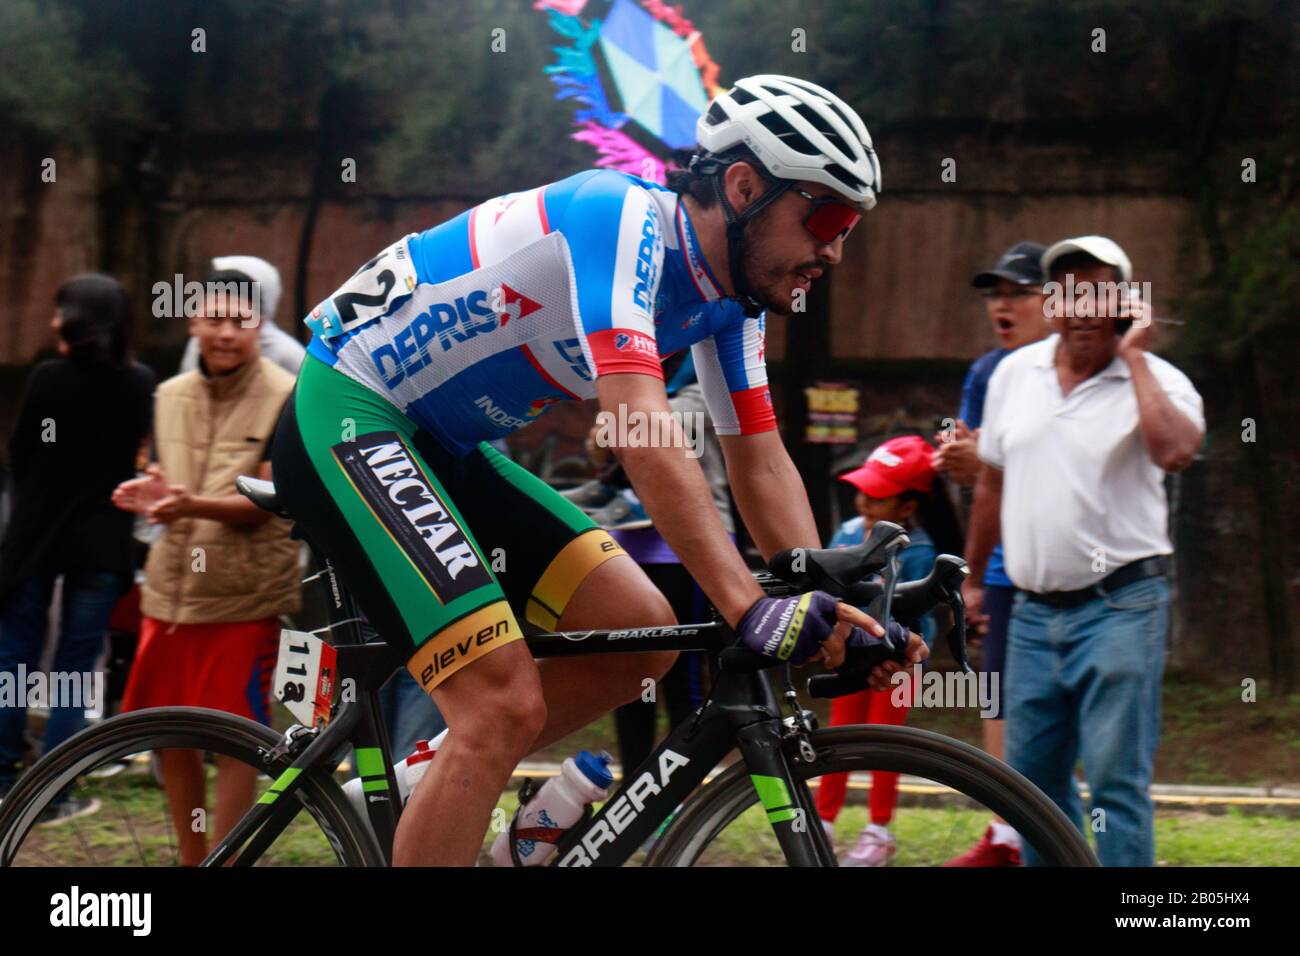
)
(419, 521)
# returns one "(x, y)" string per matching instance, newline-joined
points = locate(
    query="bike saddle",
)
(837, 570)
(261, 493)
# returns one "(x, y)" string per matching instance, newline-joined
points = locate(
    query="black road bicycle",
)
(303, 815)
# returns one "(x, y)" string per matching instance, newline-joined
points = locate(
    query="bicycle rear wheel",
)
(94, 801)
(945, 803)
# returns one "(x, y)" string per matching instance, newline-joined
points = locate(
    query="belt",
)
(1128, 574)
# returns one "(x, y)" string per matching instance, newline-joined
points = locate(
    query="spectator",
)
(223, 570)
(80, 424)
(896, 483)
(273, 342)
(1078, 432)
(1013, 298)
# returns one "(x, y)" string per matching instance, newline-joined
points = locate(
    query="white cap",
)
(260, 271)
(1099, 247)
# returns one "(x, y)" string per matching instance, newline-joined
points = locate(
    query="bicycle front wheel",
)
(946, 798)
(95, 799)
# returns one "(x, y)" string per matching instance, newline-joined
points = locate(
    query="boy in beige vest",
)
(223, 570)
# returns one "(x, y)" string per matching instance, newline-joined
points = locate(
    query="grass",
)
(1210, 736)
(132, 829)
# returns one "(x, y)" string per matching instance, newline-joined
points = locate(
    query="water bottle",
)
(558, 805)
(408, 772)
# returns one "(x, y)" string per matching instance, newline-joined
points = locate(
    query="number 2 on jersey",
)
(371, 292)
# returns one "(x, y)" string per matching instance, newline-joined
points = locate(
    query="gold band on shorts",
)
(462, 642)
(562, 577)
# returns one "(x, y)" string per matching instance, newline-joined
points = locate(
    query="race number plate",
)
(305, 675)
(370, 293)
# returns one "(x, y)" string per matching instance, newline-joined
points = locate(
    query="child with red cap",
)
(896, 483)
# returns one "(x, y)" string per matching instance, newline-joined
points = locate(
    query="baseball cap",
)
(1099, 247)
(1019, 264)
(258, 270)
(900, 464)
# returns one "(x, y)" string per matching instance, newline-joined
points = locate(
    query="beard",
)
(769, 282)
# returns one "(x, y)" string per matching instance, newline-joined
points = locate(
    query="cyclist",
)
(575, 289)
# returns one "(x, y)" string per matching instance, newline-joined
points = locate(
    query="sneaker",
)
(875, 848)
(69, 809)
(988, 853)
(623, 513)
(590, 495)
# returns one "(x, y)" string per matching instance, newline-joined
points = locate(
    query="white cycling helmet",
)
(798, 131)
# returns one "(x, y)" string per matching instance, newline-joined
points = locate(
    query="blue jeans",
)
(88, 599)
(1085, 681)
(409, 713)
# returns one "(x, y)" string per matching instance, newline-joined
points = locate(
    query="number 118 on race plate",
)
(305, 674)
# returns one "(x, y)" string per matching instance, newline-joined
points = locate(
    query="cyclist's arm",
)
(769, 492)
(672, 488)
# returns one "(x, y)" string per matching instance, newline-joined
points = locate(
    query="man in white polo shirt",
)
(1079, 430)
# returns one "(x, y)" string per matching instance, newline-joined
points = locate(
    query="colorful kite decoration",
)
(640, 74)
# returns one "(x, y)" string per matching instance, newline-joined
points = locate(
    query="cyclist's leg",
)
(562, 572)
(348, 469)
(580, 689)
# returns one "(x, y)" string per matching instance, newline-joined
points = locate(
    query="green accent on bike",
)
(369, 785)
(370, 762)
(772, 791)
(280, 784)
(780, 816)
(786, 647)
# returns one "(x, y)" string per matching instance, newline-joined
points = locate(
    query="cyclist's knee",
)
(495, 707)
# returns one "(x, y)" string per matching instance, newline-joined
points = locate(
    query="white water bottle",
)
(408, 772)
(558, 805)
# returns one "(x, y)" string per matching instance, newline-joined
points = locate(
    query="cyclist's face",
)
(1016, 312)
(782, 258)
(227, 331)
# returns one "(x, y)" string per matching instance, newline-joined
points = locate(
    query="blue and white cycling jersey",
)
(475, 326)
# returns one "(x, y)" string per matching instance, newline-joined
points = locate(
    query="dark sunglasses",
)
(829, 218)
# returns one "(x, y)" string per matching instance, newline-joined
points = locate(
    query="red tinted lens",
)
(830, 220)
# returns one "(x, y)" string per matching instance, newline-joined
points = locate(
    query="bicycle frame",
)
(742, 711)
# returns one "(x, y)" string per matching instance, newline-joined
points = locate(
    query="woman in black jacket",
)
(80, 424)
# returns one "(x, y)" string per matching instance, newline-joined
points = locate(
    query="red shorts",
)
(225, 666)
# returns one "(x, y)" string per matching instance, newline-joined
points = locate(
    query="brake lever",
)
(957, 633)
(859, 661)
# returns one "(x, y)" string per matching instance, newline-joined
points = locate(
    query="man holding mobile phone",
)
(1078, 432)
